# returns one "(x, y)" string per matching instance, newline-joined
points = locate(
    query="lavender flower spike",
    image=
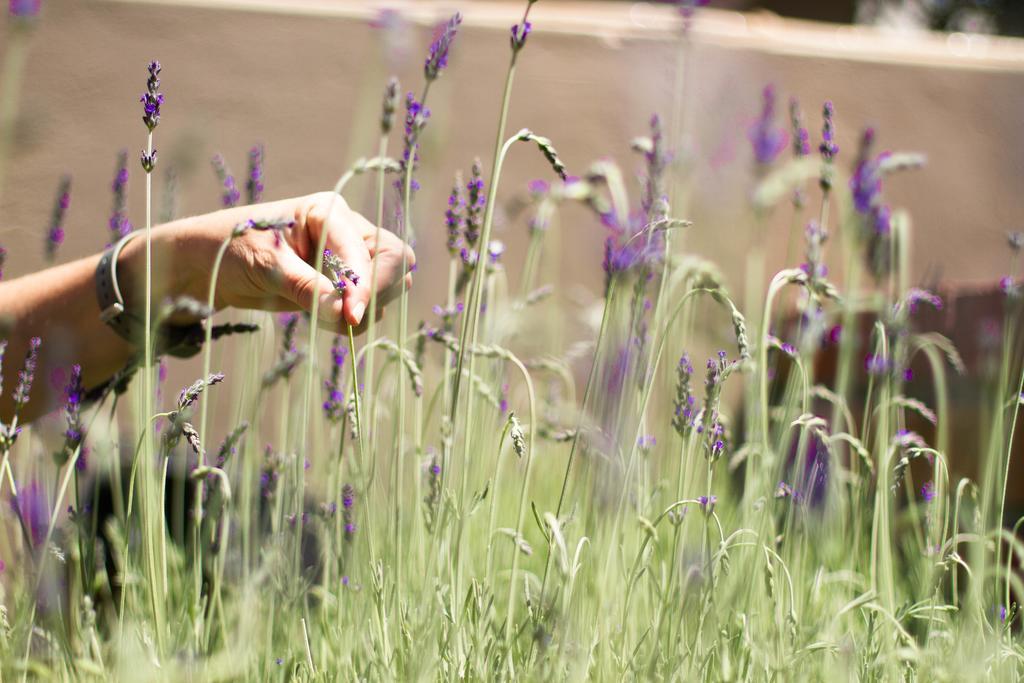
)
(387, 117)
(334, 404)
(73, 394)
(348, 499)
(437, 58)
(55, 233)
(152, 98)
(119, 223)
(828, 147)
(254, 184)
(767, 140)
(416, 116)
(27, 374)
(453, 216)
(340, 270)
(476, 200)
(801, 139)
(229, 194)
(24, 9)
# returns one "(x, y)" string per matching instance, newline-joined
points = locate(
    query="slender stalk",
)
(371, 327)
(476, 284)
(521, 515)
(197, 508)
(150, 523)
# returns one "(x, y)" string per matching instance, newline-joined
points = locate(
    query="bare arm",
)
(260, 271)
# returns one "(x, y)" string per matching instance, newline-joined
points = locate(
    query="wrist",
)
(173, 275)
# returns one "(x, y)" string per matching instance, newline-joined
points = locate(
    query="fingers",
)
(359, 243)
(391, 293)
(394, 258)
(343, 237)
(302, 285)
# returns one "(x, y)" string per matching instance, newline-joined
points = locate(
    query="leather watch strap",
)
(108, 294)
(182, 341)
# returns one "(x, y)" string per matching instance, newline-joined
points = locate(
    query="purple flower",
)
(416, 117)
(152, 99)
(254, 184)
(476, 200)
(334, 404)
(24, 9)
(229, 194)
(348, 499)
(519, 33)
(624, 251)
(916, 296)
(877, 365)
(928, 492)
(707, 503)
(646, 442)
(437, 58)
(55, 232)
(119, 224)
(340, 271)
(453, 216)
(685, 403)
(73, 395)
(27, 374)
(710, 424)
(876, 216)
(828, 147)
(33, 509)
(866, 183)
(766, 139)
(1002, 613)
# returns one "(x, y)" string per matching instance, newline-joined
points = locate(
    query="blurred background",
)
(304, 78)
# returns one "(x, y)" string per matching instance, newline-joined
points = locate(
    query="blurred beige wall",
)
(304, 78)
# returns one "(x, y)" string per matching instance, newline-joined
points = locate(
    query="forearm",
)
(59, 305)
(262, 268)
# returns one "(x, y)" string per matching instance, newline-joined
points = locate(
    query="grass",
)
(469, 512)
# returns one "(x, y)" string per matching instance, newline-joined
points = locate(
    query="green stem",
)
(521, 516)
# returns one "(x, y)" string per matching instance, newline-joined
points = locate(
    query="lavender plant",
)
(452, 510)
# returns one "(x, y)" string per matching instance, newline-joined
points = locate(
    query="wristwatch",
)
(181, 341)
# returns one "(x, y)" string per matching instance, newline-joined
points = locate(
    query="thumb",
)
(302, 285)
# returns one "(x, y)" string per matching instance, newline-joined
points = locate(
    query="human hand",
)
(271, 270)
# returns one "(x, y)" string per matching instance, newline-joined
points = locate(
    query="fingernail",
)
(357, 312)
